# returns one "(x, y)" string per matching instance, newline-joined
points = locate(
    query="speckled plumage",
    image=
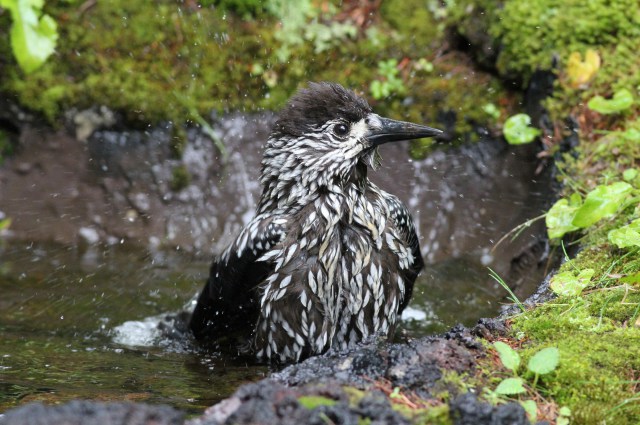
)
(329, 258)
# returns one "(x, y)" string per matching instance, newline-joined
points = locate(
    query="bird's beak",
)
(382, 130)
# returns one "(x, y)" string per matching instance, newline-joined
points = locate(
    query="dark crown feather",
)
(317, 104)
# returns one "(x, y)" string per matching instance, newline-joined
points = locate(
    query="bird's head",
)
(322, 135)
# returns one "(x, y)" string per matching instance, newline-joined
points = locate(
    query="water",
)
(58, 312)
(84, 325)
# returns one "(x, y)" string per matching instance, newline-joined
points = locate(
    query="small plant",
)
(491, 110)
(502, 283)
(326, 36)
(567, 283)
(302, 22)
(621, 100)
(543, 362)
(630, 174)
(423, 65)
(389, 81)
(604, 201)
(517, 130)
(564, 413)
(580, 72)
(626, 236)
(33, 38)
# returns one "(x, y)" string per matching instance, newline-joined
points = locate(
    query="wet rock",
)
(90, 120)
(269, 402)
(462, 334)
(487, 328)
(473, 36)
(466, 409)
(23, 168)
(540, 87)
(12, 116)
(265, 402)
(82, 412)
(416, 366)
(376, 406)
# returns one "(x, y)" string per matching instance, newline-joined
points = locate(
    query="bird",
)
(329, 259)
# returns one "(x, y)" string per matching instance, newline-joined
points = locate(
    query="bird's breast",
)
(337, 275)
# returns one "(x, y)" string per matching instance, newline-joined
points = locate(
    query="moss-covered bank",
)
(597, 330)
(168, 60)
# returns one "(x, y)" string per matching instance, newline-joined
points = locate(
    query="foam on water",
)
(139, 333)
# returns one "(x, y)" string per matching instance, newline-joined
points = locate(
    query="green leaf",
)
(491, 110)
(559, 219)
(313, 401)
(626, 236)
(601, 202)
(508, 356)
(630, 174)
(33, 39)
(531, 408)
(517, 130)
(564, 411)
(376, 89)
(632, 135)
(423, 65)
(631, 279)
(621, 100)
(511, 386)
(544, 361)
(570, 285)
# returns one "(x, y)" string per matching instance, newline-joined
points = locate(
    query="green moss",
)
(180, 178)
(163, 61)
(532, 33)
(313, 401)
(6, 147)
(598, 339)
(599, 358)
(416, 21)
(435, 415)
(438, 415)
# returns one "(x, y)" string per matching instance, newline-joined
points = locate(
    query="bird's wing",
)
(229, 304)
(407, 230)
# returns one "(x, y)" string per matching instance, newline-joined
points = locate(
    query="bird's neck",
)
(292, 194)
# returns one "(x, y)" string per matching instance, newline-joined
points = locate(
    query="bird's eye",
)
(340, 129)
